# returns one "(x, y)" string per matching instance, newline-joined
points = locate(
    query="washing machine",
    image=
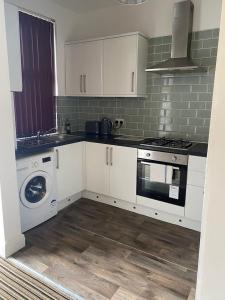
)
(37, 189)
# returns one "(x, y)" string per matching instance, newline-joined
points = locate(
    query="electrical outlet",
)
(119, 123)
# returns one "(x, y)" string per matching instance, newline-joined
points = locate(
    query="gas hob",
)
(166, 143)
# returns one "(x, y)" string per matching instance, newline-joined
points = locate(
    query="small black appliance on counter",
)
(92, 127)
(106, 127)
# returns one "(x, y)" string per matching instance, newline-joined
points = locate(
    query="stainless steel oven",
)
(162, 176)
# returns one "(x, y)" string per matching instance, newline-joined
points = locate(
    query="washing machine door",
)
(36, 189)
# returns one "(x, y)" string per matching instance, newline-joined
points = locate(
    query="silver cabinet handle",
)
(57, 158)
(85, 89)
(132, 83)
(111, 156)
(81, 83)
(107, 156)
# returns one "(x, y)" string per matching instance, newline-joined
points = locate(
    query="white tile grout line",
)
(44, 279)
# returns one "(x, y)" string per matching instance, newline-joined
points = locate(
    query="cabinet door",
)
(70, 171)
(13, 45)
(92, 74)
(197, 163)
(97, 168)
(120, 66)
(84, 69)
(123, 173)
(194, 202)
(74, 69)
(196, 178)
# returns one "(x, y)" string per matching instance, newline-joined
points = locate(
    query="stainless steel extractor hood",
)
(180, 60)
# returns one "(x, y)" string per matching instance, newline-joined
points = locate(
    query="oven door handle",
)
(149, 164)
(146, 163)
(169, 174)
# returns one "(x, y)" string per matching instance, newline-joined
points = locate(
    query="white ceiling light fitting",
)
(131, 2)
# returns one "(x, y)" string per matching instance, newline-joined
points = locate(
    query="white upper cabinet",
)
(74, 70)
(84, 69)
(125, 60)
(112, 66)
(13, 45)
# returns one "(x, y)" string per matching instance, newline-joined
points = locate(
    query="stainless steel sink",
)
(61, 137)
(47, 141)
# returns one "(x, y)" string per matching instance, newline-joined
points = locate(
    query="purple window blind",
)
(35, 105)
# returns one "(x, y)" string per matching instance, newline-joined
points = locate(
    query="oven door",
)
(161, 181)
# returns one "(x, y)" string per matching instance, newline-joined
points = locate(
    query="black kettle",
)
(106, 126)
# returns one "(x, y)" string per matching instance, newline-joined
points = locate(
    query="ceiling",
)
(83, 6)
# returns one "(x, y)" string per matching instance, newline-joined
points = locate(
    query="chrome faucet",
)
(52, 130)
(42, 133)
(38, 135)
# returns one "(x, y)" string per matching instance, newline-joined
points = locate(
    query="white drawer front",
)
(197, 163)
(194, 202)
(196, 178)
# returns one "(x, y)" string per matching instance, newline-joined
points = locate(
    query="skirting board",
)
(68, 201)
(11, 246)
(142, 210)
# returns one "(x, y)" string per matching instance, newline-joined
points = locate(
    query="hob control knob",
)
(148, 154)
(174, 158)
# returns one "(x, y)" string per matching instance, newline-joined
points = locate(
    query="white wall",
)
(65, 20)
(11, 238)
(154, 18)
(211, 274)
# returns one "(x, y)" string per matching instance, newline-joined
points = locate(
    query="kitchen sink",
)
(47, 140)
(58, 138)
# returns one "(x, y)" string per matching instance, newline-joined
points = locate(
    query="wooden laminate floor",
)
(101, 252)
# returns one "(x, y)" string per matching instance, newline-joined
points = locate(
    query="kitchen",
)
(142, 162)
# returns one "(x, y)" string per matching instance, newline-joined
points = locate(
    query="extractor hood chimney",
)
(180, 60)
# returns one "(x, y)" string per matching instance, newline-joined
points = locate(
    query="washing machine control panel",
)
(46, 159)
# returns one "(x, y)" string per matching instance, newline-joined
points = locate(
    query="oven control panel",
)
(166, 157)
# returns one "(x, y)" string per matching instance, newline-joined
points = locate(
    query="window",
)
(35, 106)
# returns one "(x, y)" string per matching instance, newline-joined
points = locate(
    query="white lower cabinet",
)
(69, 169)
(111, 171)
(195, 188)
(123, 173)
(108, 173)
(97, 171)
(194, 202)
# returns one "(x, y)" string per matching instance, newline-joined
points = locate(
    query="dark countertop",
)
(198, 149)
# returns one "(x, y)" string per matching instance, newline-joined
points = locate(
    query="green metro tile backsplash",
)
(177, 106)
